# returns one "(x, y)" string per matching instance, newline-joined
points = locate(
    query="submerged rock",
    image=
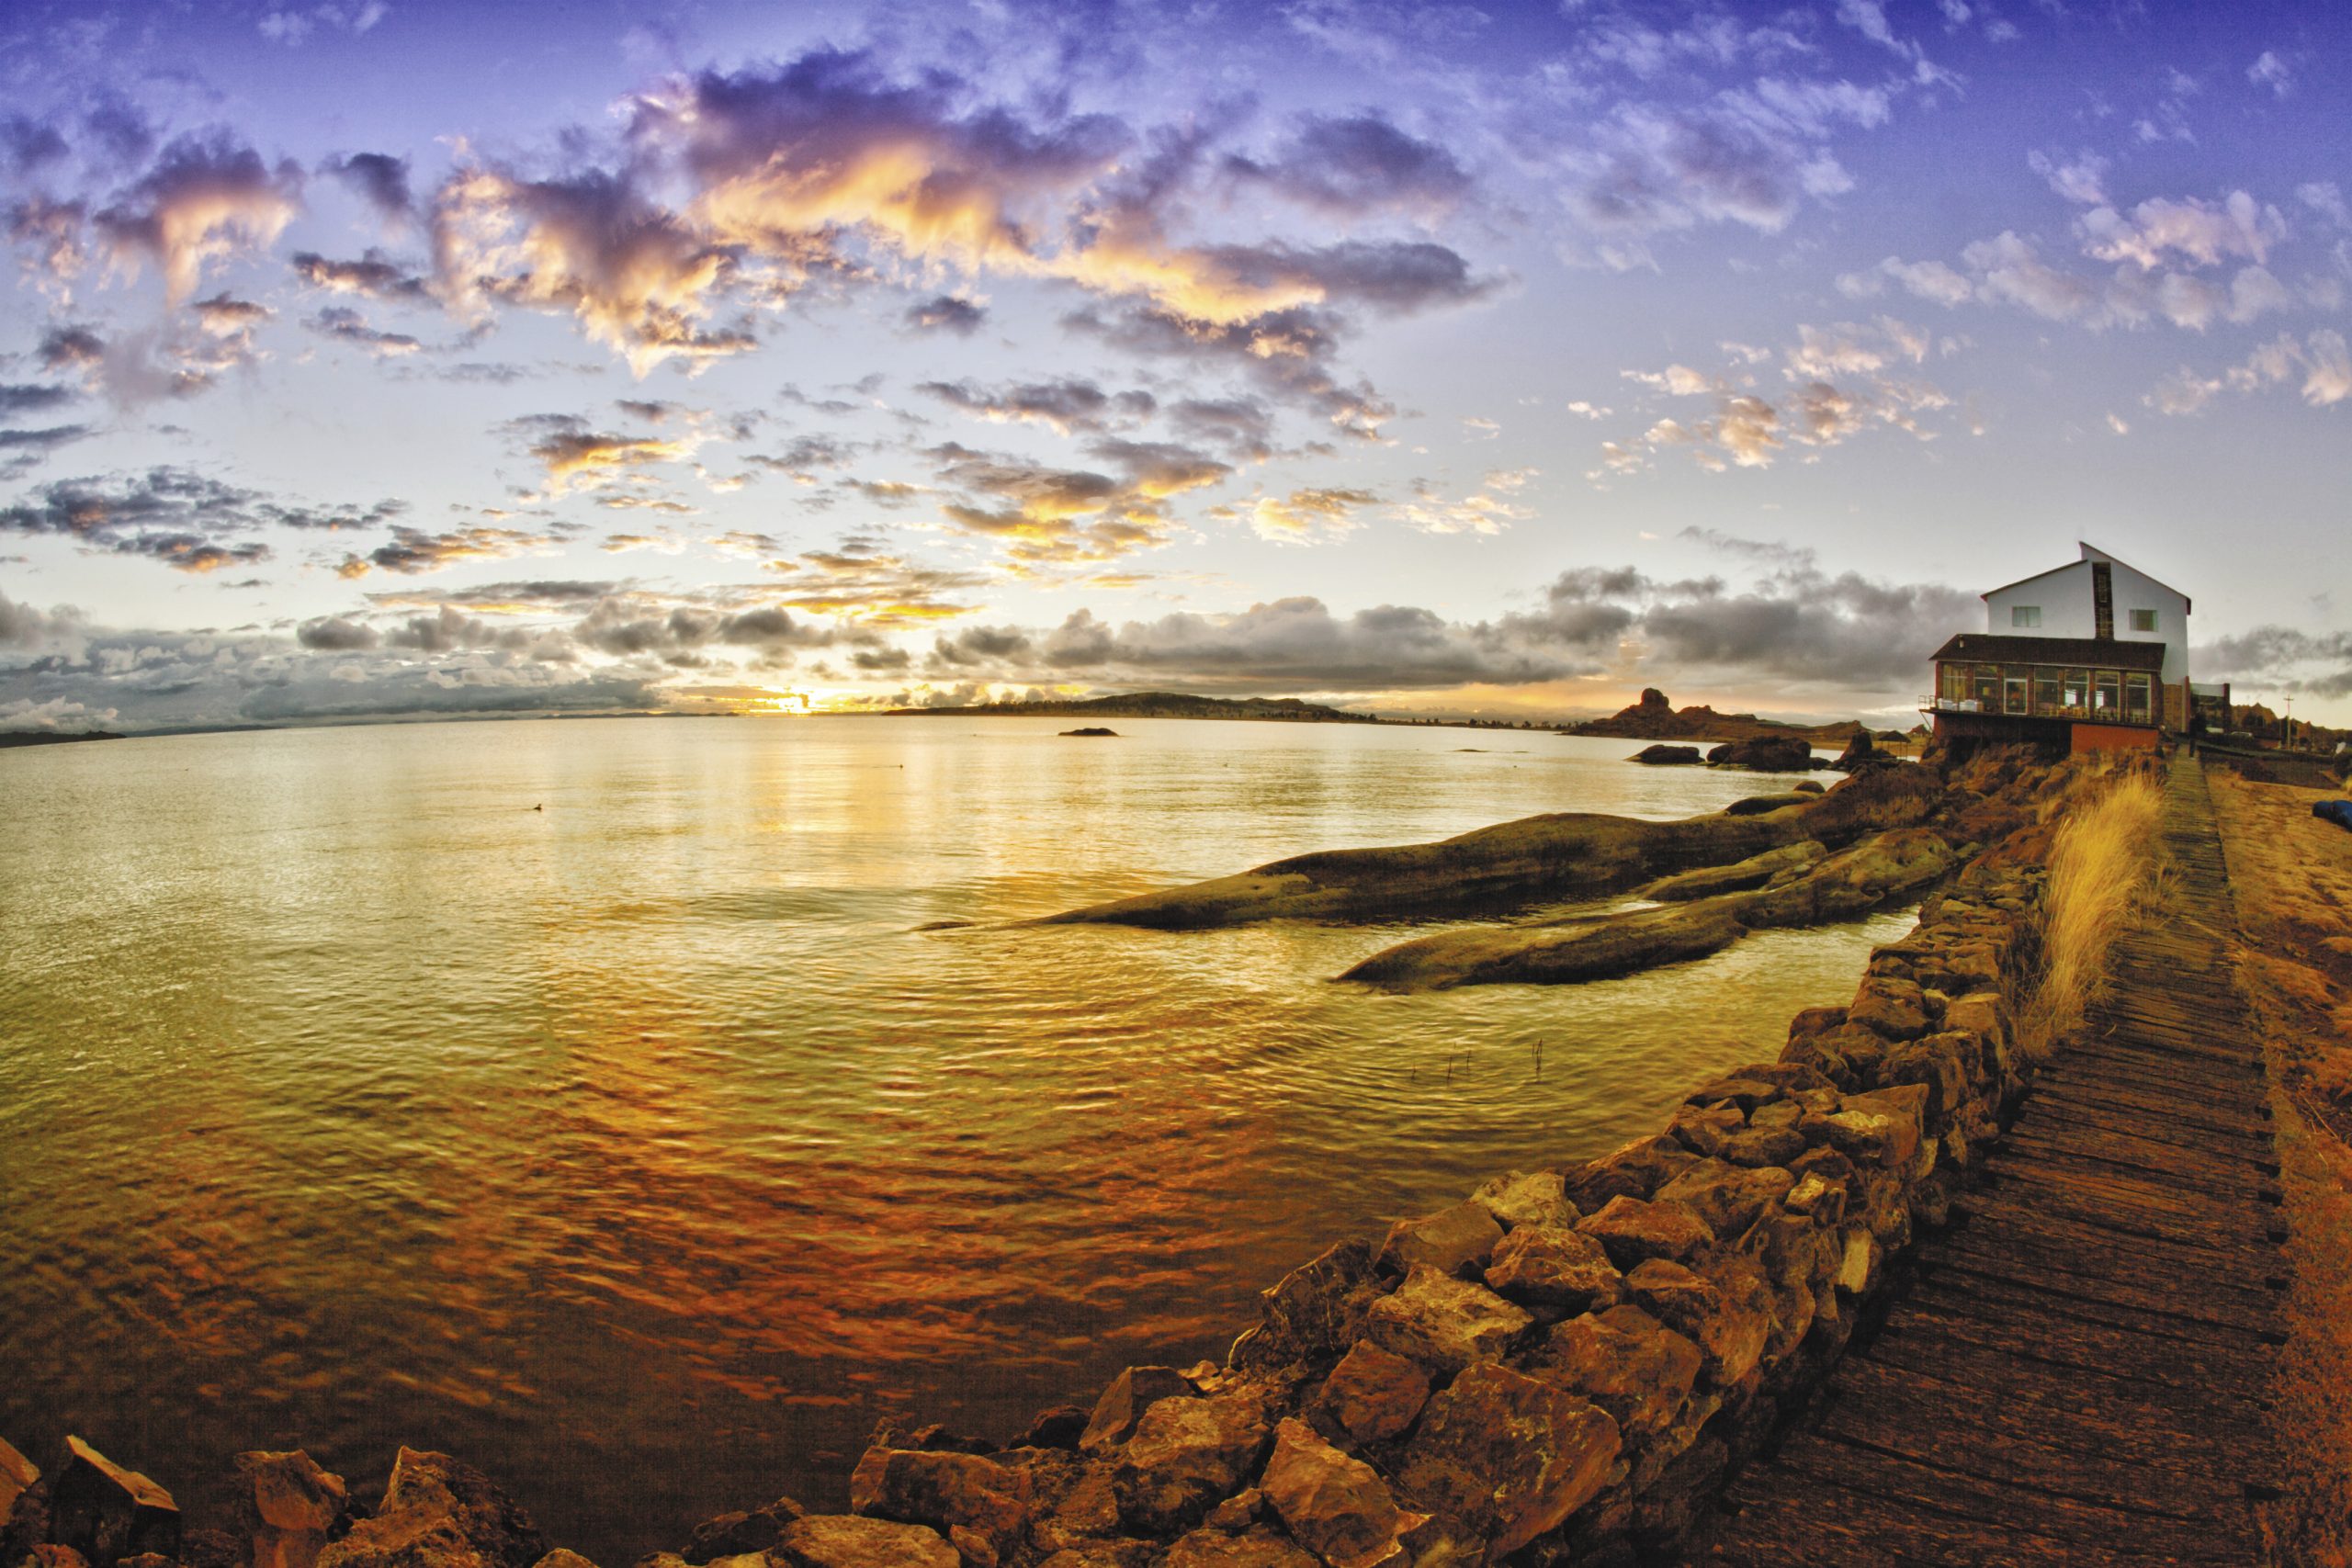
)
(1667, 756)
(1090, 731)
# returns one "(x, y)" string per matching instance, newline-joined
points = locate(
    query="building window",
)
(2045, 691)
(2027, 614)
(2143, 620)
(2136, 698)
(2107, 692)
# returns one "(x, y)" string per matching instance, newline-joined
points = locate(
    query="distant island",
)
(1149, 704)
(51, 738)
(1655, 717)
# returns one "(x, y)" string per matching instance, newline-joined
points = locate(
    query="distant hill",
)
(1655, 717)
(51, 738)
(1153, 705)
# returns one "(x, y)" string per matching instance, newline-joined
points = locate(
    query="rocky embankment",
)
(1561, 1369)
(1655, 717)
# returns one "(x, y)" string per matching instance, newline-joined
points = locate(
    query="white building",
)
(2097, 596)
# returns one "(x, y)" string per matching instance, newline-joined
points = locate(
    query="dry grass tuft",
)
(2103, 876)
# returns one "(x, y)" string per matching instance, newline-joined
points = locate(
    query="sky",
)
(372, 359)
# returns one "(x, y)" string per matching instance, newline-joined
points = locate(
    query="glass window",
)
(2027, 614)
(2107, 692)
(2046, 690)
(2078, 689)
(2143, 620)
(2136, 697)
(1986, 687)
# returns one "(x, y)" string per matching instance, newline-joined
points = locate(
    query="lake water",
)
(642, 1149)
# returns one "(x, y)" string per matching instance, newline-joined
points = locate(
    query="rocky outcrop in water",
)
(1774, 754)
(1551, 858)
(1664, 756)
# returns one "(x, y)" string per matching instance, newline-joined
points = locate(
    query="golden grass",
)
(2292, 875)
(2103, 876)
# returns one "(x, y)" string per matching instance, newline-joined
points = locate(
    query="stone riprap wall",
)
(1561, 1369)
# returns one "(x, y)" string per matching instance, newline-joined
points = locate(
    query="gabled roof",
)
(2090, 553)
(1987, 647)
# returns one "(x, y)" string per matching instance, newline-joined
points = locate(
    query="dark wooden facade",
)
(2063, 693)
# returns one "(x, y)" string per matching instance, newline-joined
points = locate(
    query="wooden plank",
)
(2125, 1100)
(2024, 1174)
(2095, 1215)
(2051, 1143)
(1958, 1430)
(2052, 1115)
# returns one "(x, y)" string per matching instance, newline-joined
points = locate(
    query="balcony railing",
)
(1932, 703)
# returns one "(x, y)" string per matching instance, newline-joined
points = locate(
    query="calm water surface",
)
(642, 1147)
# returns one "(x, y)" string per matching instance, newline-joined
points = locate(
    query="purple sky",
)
(373, 358)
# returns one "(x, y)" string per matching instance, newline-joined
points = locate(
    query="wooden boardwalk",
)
(2077, 1372)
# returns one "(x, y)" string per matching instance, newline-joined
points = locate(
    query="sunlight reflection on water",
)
(645, 1150)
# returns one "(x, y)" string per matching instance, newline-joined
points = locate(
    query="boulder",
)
(1552, 1266)
(47, 1554)
(1738, 878)
(1255, 1547)
(1759, 805)
(1631, 1229)
(284, 1507)
(1506, 1455)
(1122, 1404)
(107, 1513)
(1767, 754)
(1371, 1395)
(1701, 1129)
(1727, 1198)
(845, 1540)
(1894, 1009)
(1442, 1322)
(1314, 1312)
(1627, 1362)
(1335, 1506)
(733, 1535)
(1060, 1427)
(17, 1476)
(1534, 1198)
(1634, 1170)
(439, 1513)
(1187, 1456)
(563, 1557)
(1448, 1241)
(945, 1490)
(1758, 1146)
(1882, 1127)
(1664, 756)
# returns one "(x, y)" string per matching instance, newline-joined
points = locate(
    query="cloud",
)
(379, 179)
(578, 457)
(1068, 406)
(2081, 179)
(20, 397)
(292, 27)
(1930, 280)
(1305, 514)
(2270, 71)
(1487, 510)
(373, 276)
(947, 313)
(60, 626)
(342, 324)
(166, 515)
(1353, 165)
(633, 275)
(412, 551)
(207, 197)
(1045, 514)
(2204, 232)
(2319, 359)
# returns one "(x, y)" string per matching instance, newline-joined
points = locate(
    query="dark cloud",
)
(1355, 164)
(166, 515)
(335, 634)
(947, 313)
(374, 276)
(45, 440)
(533, 594)
(1289, 645)
(377, 178)
(21, 626)
(1068, 405)
(28, 145)
(1288, 354)
(206, 195)
(412, 551)
(2279, 658)
(1244, 427)
(117, 130)
(68, 348)
(343, 325)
